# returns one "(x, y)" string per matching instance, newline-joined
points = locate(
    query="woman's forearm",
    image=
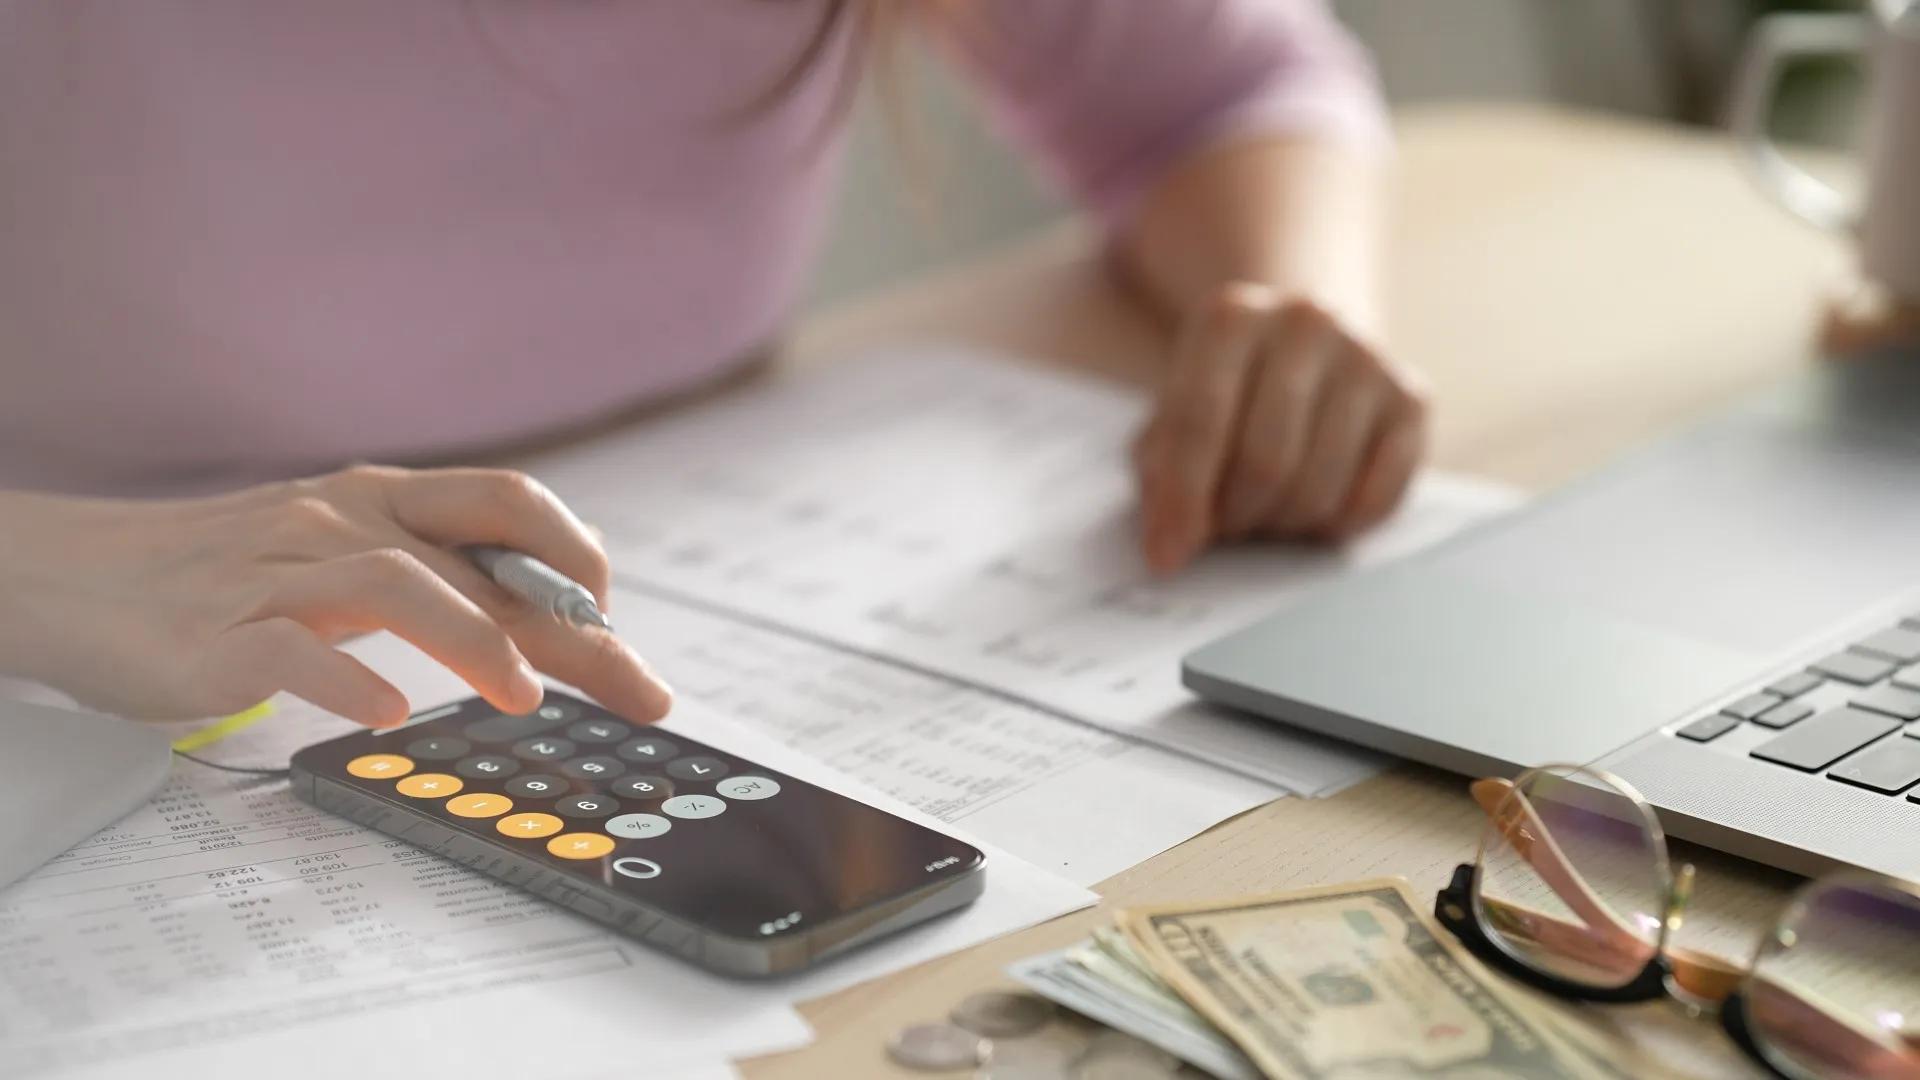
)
(1304, 215)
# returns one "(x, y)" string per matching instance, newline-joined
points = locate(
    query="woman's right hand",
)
(198, 608)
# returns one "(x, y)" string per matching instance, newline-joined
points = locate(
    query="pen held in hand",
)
(539, 584)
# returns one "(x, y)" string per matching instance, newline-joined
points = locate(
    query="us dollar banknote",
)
(1347, 982)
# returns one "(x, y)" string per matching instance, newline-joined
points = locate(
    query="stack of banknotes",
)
(1345, 981)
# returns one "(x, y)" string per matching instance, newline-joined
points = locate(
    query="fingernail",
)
(1241, 515)
(526, 684)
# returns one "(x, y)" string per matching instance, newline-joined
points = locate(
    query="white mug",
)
(1885, 221)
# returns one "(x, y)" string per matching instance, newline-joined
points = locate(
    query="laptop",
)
(1728, 619)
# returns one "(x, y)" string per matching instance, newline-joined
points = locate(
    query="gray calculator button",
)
(536, 787)
(557, 712)
(487, 767)
(638, 826)
(636, 868)
(706, 769)
(543, 748)
(439, 748)
(598, 732)
(598, 767)
(586, 806)
(648, 748)
(643, 787)
(748, 788)
(503, 729)
(694, 807)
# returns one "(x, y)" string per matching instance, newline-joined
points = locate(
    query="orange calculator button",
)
(430, 785)
(528, 825)
(380, 766)
(580, 845)
(479, 804)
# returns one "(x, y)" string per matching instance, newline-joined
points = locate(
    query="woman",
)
(247, 240)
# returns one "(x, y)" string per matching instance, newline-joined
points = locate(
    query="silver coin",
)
(1115, 1065)
(1055, 1047)
(936, 1047)
(999, 1014)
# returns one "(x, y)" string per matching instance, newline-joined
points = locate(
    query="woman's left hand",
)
(1275, 421)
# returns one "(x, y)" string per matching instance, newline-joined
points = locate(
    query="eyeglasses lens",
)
(1835, 991)
(1573, 879)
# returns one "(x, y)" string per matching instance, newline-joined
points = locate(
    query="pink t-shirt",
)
(253, 238)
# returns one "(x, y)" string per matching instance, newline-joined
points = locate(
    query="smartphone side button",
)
(641, 869)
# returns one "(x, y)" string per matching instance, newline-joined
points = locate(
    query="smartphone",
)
(738, 868)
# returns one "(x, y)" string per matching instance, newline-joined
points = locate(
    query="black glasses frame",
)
(1455, 909)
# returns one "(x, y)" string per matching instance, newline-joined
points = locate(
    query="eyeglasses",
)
(1573, 892)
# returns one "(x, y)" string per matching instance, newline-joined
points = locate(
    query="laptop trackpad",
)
(1464, 673)
(1746, 536)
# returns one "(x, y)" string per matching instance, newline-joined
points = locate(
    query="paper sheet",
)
(970, 517)
(1073, 799)
(228, 924)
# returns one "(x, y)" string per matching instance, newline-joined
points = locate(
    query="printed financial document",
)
(1067, 797)
(228, 923)
(972, 517)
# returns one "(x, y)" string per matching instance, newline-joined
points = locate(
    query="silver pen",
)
(538, 584)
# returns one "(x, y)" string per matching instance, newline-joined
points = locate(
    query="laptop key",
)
(1709, 728)
(1817, 743)
(1899, 643)
(1908, 677)
(1889, 768)
(1785, 714)
(1892, 700)
(1750, 706)
(1792, 686)
(1854, 667)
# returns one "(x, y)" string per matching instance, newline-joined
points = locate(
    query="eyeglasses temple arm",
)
(1700, 974)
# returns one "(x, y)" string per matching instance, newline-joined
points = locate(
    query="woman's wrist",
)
(27, 635)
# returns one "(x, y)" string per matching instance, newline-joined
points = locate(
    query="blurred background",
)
(1669, 59)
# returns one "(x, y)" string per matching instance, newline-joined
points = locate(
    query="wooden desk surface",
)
(1573, 284)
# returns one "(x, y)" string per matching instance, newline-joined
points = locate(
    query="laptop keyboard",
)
(1862, 733)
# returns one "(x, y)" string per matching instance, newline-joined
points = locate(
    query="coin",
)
(937, 1047)
(999, 1014)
